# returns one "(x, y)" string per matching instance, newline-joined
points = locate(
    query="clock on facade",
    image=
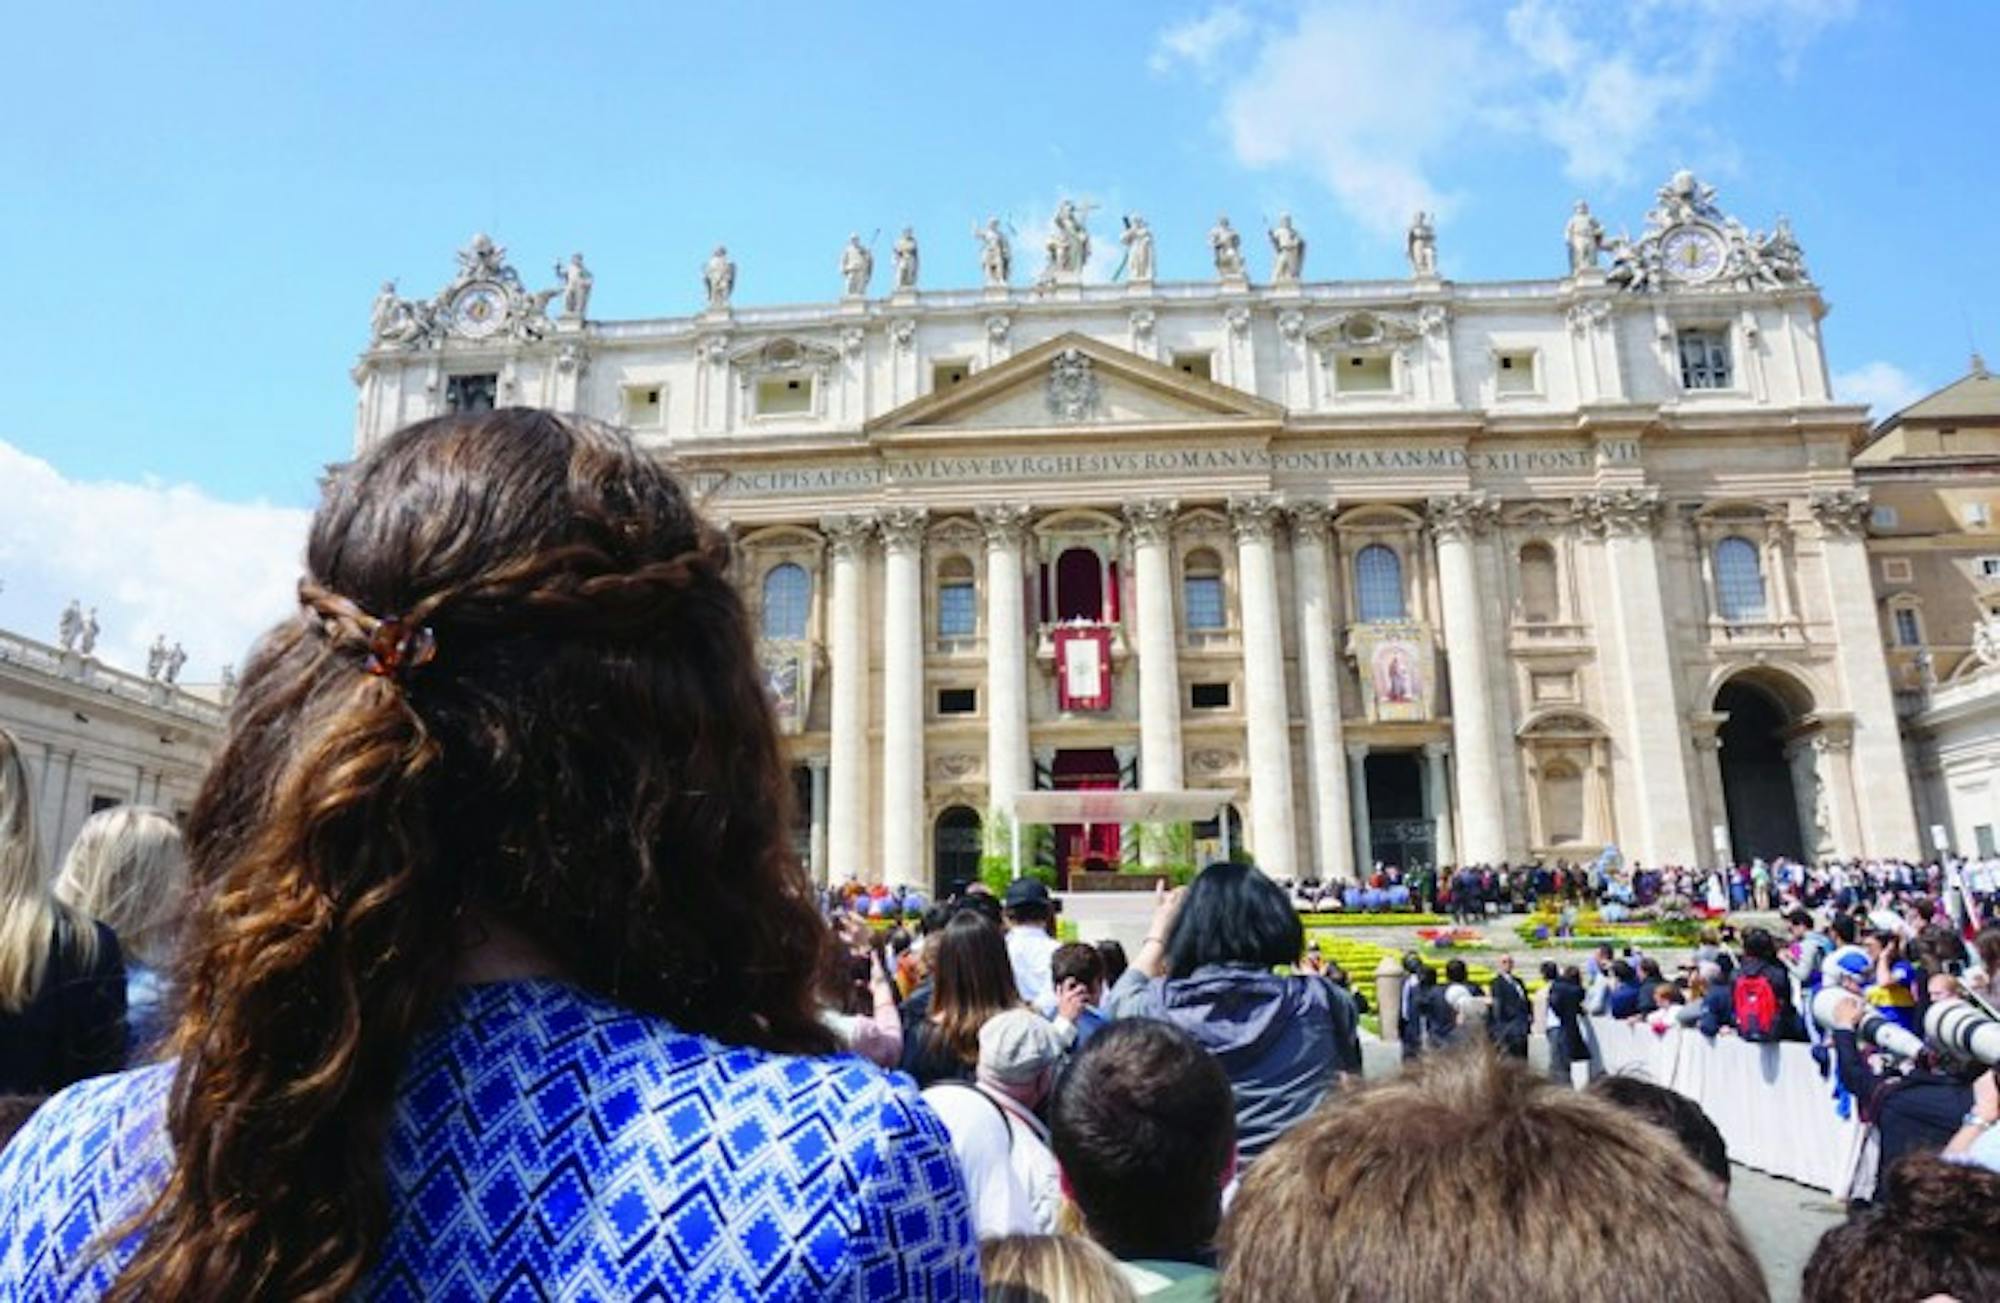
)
(479, 310)
(1692, 253)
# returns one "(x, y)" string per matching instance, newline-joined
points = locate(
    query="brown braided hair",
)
(589, 759)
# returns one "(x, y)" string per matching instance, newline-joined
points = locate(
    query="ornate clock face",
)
(1692, 253)
(479, 310)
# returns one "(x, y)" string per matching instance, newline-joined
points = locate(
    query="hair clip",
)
(397, 649)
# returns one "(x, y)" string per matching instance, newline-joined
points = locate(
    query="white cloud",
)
(1372, 100)
(1884, 386)
(1196, 42)
(153, 558)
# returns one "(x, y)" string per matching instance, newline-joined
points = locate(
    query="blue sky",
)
(201, 200)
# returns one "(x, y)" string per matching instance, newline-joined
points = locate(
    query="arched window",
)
(787, 599)
(1562, 805)
(1539, 604)
(1378, 584)
(957, 601)
(1739, 581)
(955, 846)
(1201, 590)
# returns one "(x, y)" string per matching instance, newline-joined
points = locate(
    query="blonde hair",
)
(28, 912)
(127, 870)
(1051, 1269)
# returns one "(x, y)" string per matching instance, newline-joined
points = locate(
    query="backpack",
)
(1755, 1005)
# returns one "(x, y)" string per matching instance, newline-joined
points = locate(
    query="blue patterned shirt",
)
(549, 1144)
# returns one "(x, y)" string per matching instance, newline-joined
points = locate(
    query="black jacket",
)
(1915, 1112)
(74, 1027)
(1512, 1010)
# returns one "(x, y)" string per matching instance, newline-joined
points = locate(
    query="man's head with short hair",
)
(1371, 1197)
(1028, 903)
(1799, 922)
(1077, 961)
(1933, 1232)
(1144, 1127)
(1676, 1114)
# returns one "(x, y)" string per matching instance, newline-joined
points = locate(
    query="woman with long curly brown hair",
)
(972, 980)
(501, 974)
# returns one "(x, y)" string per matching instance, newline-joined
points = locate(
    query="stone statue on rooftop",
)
(904, 252)
(576, 282)
(1421, 245)
(1227, 245)
(156, 656)
(1584, 236)
(718, 277)
(170, 668)
(1288, 250)
(996, 256)
(70, 627)
(1137, 238)
(88, 643)
(1068, 245)
(857, 267)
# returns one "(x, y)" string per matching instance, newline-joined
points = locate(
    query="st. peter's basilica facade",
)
(1419, 570)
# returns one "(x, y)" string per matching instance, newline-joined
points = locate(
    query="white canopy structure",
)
(1095, 806)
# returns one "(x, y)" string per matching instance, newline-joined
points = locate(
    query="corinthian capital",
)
(1460, 515)
(1004, 522)
(1620, 512)
(1151, 520)
(847, 534)
(1841, 511)
(1310, 516)
(1253, 517)
(903, 527)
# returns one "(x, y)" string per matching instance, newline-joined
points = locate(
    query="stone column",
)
(1268, 718)
(816, 841)
(1654, 724)
(1446, 851)
(1007, 766)
(1151, 524)
(1833, 746)
(1455, 522)
(1708, 758)
(1887, 814)
(1357, 787)
(847, 803)
(1318, 615)
(903, 695)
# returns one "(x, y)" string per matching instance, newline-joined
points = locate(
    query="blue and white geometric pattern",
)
(550, 1145)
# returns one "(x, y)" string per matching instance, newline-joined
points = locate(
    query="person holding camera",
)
(1913, 1111)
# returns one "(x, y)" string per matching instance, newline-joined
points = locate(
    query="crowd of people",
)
(488, 971)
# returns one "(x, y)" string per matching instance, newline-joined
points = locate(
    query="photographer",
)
(1920, 1109)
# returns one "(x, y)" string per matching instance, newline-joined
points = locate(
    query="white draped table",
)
(1774, 1109)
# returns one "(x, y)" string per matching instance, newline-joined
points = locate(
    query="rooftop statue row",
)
(1688, 243)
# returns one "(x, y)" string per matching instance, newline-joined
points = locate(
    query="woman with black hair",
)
(1208, 967)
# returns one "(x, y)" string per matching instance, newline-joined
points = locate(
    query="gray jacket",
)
(1281, 1040)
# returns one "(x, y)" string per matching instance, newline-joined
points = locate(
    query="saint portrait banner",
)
(788, 678)
(1395, 664)
(1083, 668)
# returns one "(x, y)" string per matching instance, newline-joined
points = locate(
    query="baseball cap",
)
(1026, 891)
(1015, 1046)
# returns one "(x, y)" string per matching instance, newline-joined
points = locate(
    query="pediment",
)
(1072, 382)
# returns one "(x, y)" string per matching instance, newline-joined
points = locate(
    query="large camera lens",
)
(1964, 1029)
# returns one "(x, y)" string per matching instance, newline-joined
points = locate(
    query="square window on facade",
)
(1363, 373)
(958, 701)
(1974, 515)
(1705, 361)
(471, 393)
(1883, 517)
(1209, 696)
(1896, 570)
(1514, 372)
(102, 802)
(1203, 594)
(946, 375)
(644, 406)
(1982, 836)
(1989, 567)
(1199, 365)
(1907, 632)
(784, 396)
(957, 611)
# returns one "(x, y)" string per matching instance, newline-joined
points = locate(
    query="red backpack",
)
(1756, 1008)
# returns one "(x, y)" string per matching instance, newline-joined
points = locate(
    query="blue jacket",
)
(1281, 1040)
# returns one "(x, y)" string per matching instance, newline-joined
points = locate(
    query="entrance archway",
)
(955, 848)
(1757, 781)
(1400, 831)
